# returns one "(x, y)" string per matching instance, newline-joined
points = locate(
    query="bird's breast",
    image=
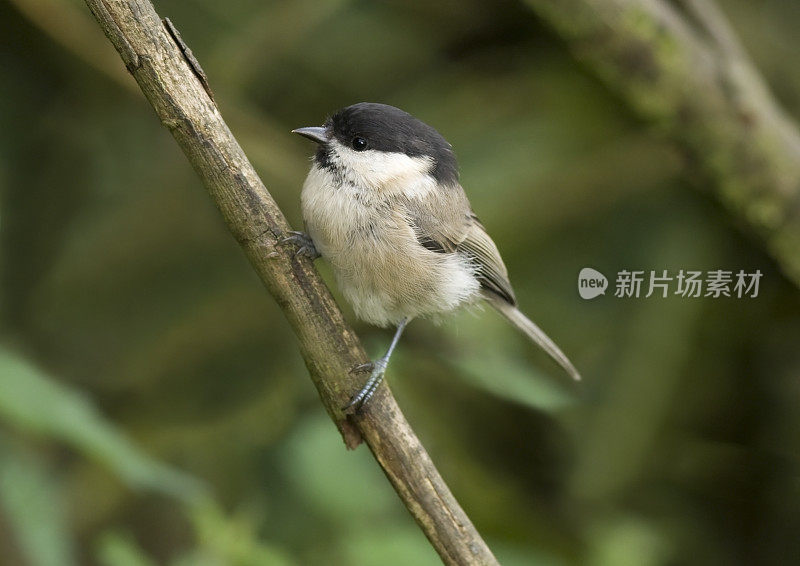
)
(379, 264)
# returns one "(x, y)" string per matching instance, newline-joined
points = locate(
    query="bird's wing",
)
(444, 223)
(492, 272)
(440, 219)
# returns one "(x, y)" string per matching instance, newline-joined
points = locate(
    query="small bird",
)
(383, 205)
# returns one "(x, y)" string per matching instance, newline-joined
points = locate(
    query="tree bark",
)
(173, 82)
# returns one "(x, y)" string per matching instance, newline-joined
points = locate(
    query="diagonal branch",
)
(680, 66)
(707, 17)
(328, 345)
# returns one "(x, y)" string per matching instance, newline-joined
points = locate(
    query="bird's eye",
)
(359, 143)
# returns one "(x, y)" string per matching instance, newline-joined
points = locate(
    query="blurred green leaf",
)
(116, 549)
(336, 482)
(388, 545)
(31, 503)
(32, 401)
(493, 362)
(517, 555)
(629, 541)
(230, 541)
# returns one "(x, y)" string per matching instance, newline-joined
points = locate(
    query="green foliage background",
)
(155, 410)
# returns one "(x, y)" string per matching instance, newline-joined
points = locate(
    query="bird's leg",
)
(305, 245)
(378, 368)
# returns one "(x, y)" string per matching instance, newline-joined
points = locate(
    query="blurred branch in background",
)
(679, 65)
(330, 348)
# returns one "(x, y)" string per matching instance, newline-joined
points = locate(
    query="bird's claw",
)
(363, 368)
(376, 369)
(305, 245)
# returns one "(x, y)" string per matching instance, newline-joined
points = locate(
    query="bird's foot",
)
(363, 368)
(377, 369)
(305, 245)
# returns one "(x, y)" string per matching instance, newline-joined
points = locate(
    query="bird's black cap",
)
(386, 128)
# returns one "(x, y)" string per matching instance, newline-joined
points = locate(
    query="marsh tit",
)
(383, 205)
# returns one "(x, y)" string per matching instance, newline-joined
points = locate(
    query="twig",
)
(708, 18)
(328, 345)
(701, 90)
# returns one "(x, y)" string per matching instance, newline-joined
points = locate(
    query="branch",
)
(707, 17)
(160, 63)
(684, 71)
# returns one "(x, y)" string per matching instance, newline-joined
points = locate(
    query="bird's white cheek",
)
(385, 172)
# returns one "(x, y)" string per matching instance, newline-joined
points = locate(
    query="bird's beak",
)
(314, 133)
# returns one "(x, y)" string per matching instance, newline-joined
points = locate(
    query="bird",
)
(383, 205)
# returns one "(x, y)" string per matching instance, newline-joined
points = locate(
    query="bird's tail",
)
(536, 334)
